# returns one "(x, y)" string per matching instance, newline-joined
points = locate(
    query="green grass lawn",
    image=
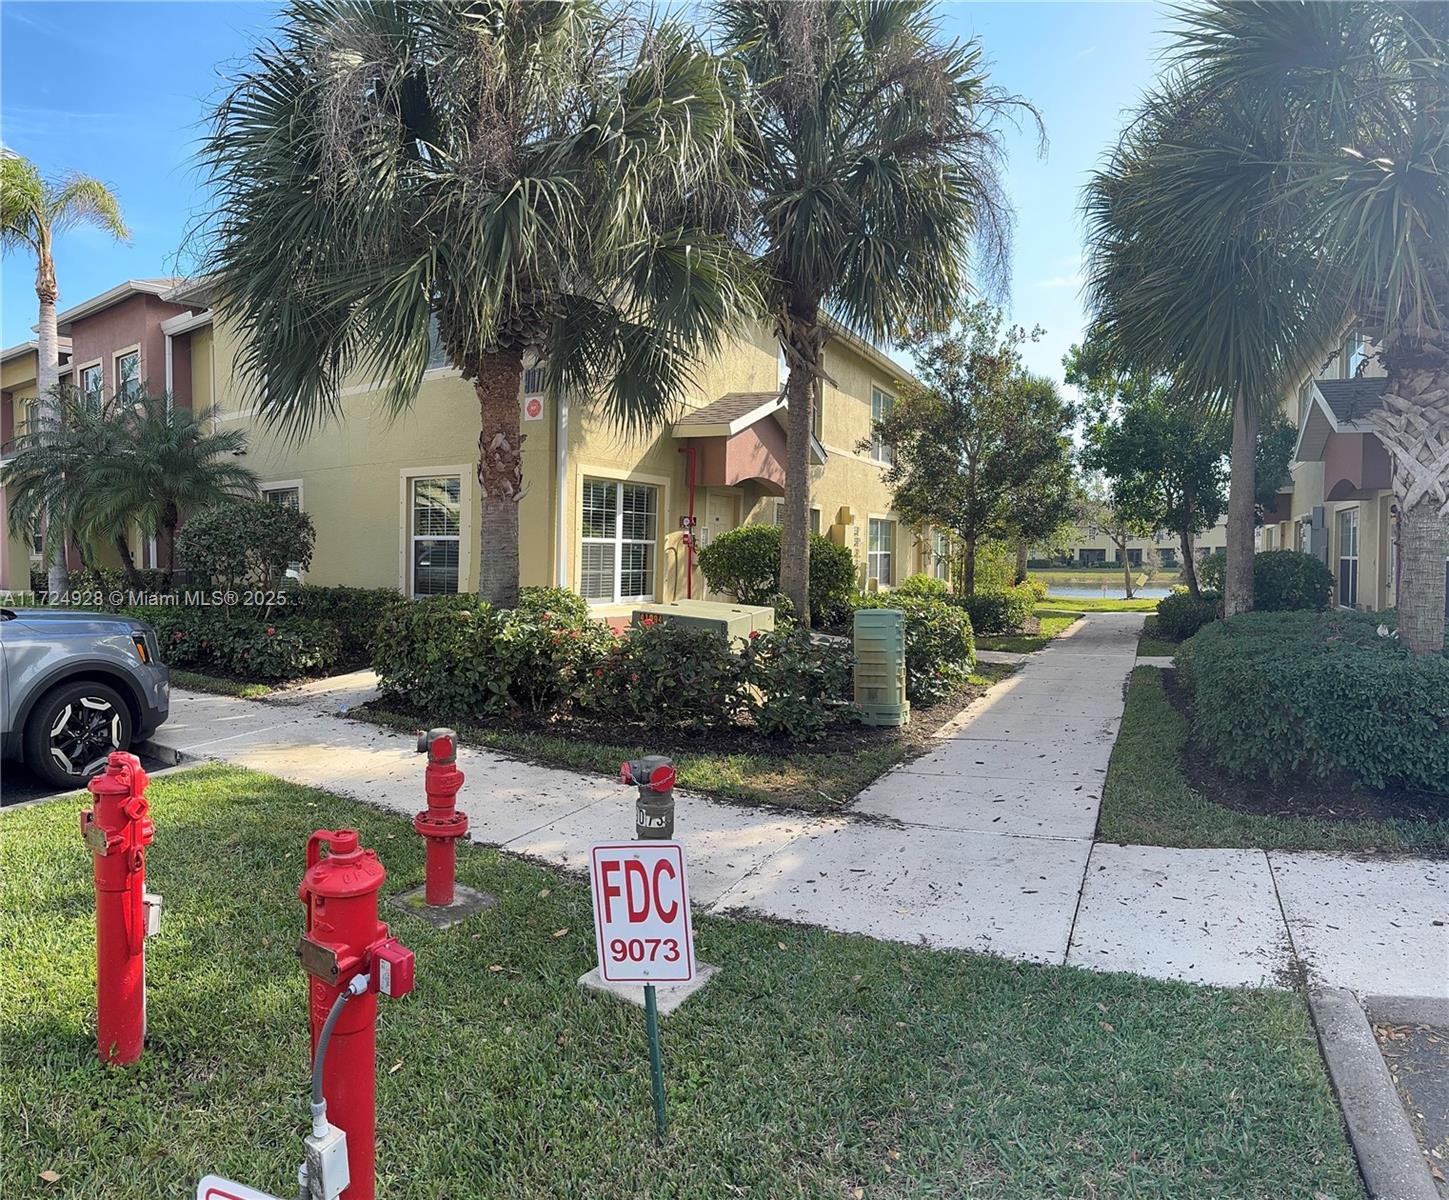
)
(1088, 604)
(1052, 624)
(221, 687)
(1149, 645)
(1097, 576)
(813, 1066)
(1147, 801)
(788, 777)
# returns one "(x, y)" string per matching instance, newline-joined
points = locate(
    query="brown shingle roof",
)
(729, 407)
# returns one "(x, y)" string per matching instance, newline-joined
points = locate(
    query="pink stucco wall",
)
(134, 320)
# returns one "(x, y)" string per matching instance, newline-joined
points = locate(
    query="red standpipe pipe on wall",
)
(689, 460)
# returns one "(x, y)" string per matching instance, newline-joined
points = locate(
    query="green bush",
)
(785, 614)
(1212, 572)
(555, 600)
(548, 654)
(745, 562)
(440, 656)
(1038, 589)
(940, 648)
(922, 587)
(357, 613)
(1318, 696)
(668, 675)
(1000, 610)
(240, 645)
(1285, 580)
(798, 688)
(244, 544)
(1182, 614)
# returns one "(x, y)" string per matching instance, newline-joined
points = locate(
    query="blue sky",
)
(120, 91)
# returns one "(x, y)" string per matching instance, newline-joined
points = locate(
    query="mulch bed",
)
(1333, 800)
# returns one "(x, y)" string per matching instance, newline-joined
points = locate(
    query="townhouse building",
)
(394, 498)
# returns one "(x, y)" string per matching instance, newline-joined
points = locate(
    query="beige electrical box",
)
(735, 621)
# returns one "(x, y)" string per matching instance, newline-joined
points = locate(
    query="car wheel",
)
(72, 731)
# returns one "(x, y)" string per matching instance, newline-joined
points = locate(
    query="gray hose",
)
(352, 989)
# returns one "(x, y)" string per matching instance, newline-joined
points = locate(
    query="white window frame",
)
(875, 558)
(618, 541)
(80, 376)
(881, 403)
(1342, 526)
(466, 501)
(129, 351)
(939, 549)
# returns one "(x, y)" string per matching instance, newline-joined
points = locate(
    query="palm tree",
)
(530, 180)
(1190, 277)
(33, 210)
(136, 462)
(1294, 177)
(875, 153)
(1357, 94)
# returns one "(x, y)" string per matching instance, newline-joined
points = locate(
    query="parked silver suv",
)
(74, 686)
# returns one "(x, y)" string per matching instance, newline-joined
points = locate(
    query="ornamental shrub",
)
(668, 675)
(244, 544)
(745, 563)
(1318, 696)
(1000, 610)
(940, 648)
(241, 645)
(798, 687)
(1181, 614)
(922, 587)
(1212, 572)
(548, 654)
(355, 611)
(1285, 580)
(556, 600)
(441, 656)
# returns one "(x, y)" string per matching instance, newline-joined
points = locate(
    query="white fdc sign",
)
(214, 1187)
(641, 912)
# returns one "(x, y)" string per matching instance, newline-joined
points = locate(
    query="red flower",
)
(647, 621)
(754, 633)
(271, 631)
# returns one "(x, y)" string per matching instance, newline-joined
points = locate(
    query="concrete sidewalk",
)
(985, 843)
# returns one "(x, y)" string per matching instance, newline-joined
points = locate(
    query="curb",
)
(1408, 1010)
(1383, 1141)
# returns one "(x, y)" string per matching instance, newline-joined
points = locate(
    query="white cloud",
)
(1061, 281)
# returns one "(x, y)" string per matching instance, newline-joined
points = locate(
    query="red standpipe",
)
(441, 823)
(343, 938)
(690, 460)
(117, 829)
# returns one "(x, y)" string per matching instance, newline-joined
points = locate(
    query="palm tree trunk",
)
(1127, 587)
(1242, 509)
(123, 548)
(500, 476)
(170, 519)
(804, 360)
(1413, 425)
(47, 375)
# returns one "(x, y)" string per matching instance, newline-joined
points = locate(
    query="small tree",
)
(1099, 513)
(973, 443)
(246, 544)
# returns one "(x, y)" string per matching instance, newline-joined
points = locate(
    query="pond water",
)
(1104, 592)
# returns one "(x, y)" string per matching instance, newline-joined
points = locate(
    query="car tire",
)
(72, 729)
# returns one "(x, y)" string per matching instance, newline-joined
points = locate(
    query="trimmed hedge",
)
(1182, 614)
(238, 644)
(355, 611)
(745, 562)
(1000, 610)
(1289, 580)
(1318, 696)
(940, 645)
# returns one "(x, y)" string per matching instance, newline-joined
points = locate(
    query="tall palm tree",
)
(1357, 95)
(875, 152)
(136, 462)
(1191, 277)
(33, 210)
(536, 178)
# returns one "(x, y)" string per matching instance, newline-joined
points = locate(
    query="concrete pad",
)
(1047, 760)
(1205, 916)
(1383, 1140)
(333, 694)
(466, 902)
(1016, 806)
(1016, 724)
(667, 996)
(1376, 925)
(723, 843)
(999, 895)
(1004, 658)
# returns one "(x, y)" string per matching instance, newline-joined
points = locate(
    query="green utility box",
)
(735, 621)
(880, 666)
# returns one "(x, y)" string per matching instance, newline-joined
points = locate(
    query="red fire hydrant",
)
(343, 940)
(117, 829)
(441, 823)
